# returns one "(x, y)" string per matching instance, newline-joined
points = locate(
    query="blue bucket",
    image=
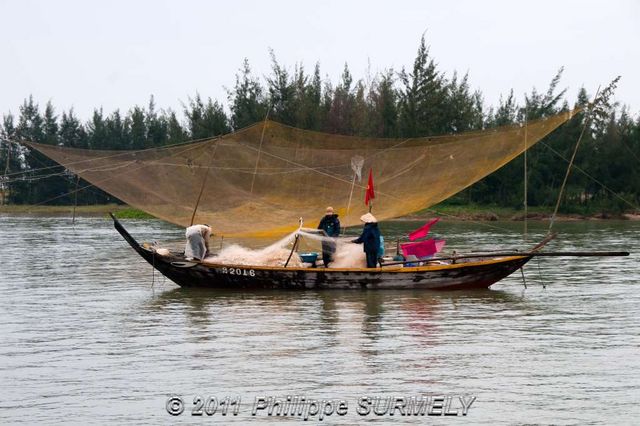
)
(308, 257)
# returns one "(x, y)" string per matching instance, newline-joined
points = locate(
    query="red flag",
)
(422, 249)
(422, 231)
(369, 195)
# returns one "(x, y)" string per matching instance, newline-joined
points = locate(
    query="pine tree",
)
(246, 100)
(9, 160)
(117, 132)
(97, 132)
(506, 113)
(46, 181)
(385, 106)
(205, 121)
(50, 126)
(157, 126)
(214, 120)
(175, 132)
(137, 124)
(29, 129)
(282, 93)
(423, 97)
(72, 132)
(309, 94)
(340, 117)
(463, 109)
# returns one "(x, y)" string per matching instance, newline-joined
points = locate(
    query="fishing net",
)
(346, 255)
(260, 180)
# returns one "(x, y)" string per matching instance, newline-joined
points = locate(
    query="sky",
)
(116, 54)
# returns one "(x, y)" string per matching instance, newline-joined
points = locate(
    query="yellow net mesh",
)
(258, 181)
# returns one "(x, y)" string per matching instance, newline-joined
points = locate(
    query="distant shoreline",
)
(449, 213)
(479, 213)
(121, 210)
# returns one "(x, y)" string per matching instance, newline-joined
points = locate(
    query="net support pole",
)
(6, 170)
(75, 200)
(525, 177)
(573, 156)
(204, 182)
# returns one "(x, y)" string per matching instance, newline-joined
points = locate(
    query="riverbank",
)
(121, 210)
(467, 212)
(449, 212)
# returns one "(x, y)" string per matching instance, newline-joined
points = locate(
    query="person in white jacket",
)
(197, 246)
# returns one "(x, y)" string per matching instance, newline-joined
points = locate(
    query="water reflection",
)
(380, 314)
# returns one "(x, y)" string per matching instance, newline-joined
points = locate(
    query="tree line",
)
(420, 100)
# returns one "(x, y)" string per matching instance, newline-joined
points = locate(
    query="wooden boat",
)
(467, 273)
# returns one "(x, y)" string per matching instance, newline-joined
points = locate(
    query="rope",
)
(605, 187)
(623, 143)
(300, 165)
(470, 221)
(315, 170)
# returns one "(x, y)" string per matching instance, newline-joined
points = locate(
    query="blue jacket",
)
(331, 225)
(370, 237)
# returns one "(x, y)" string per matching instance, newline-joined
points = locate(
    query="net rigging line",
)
(475, 222)
(315, 170)
(605, 187)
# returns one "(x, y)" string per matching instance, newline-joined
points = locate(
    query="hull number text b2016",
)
(238, 271)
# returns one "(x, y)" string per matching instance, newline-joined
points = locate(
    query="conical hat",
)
(368, 218)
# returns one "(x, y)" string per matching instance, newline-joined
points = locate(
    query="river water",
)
(89, 335)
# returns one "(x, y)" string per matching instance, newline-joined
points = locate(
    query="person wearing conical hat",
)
(330, 224)
(370, 239)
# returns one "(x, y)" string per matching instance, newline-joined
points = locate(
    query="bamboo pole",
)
(520, 253)
(295, 244)
(75, 200)
(587, 120)
(204, 182)
(525, 177)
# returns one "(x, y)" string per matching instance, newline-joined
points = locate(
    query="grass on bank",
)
(492, 212)
(120, 210)
(489, 211)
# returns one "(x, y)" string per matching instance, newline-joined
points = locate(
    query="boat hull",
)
(453, 277)
(468, 275)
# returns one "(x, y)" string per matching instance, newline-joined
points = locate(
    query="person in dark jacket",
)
(370, 239)
(330, 224)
